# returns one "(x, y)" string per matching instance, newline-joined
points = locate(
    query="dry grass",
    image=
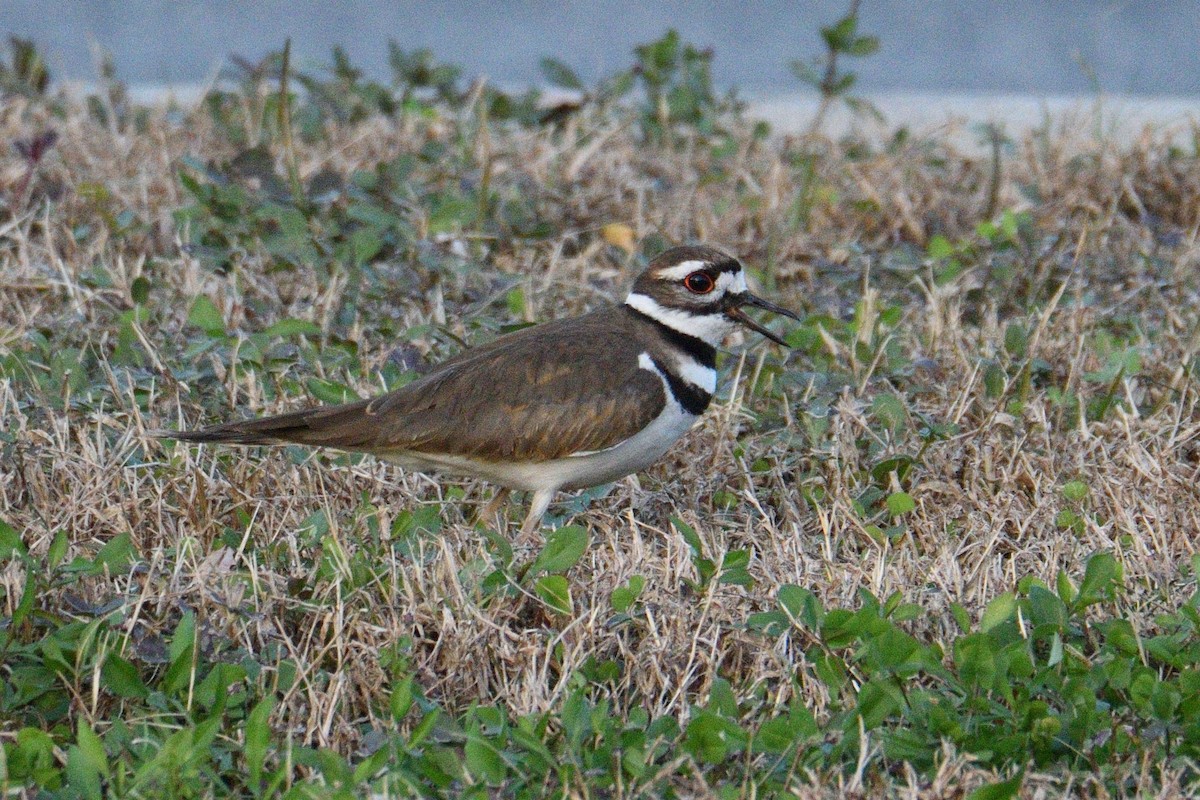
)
(229, 533)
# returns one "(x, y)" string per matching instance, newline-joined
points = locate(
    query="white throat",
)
(711, 328)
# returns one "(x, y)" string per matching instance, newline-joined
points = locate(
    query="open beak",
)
(735, 313)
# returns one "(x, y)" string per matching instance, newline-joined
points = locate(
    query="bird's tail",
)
(342, 427)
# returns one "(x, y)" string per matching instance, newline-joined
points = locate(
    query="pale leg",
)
(537, 509)
(488, 514)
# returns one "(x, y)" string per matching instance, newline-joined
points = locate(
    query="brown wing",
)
(533, 395)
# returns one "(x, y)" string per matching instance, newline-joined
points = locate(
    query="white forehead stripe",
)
(682, 270)
(711, 328)
(727, 281)
(732, 282)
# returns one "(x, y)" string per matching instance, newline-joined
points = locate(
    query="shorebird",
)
(563, 405)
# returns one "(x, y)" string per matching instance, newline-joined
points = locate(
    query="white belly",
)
(581, 470)
(572, 472)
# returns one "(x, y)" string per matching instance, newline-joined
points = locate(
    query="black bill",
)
(735, 312)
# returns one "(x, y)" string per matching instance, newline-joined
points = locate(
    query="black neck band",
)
(693, 399)
(703, 352)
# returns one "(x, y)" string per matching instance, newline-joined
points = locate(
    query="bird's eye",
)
(699, 283)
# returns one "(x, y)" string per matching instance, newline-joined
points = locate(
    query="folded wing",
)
(533, 395)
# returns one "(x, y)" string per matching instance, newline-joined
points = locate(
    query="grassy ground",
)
(944, 542)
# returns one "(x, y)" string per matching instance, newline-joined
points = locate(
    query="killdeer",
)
(563, 405)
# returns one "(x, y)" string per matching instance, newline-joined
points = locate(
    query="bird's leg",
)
(492, 508)
(537, 510)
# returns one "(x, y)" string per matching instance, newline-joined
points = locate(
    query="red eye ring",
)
(699, 283)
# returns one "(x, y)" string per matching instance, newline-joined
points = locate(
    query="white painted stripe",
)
(681, 270)
(711, 328)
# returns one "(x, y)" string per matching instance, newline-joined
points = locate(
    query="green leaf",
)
(1016, 340)
(711, 738)
(768, 623)
(961, 616)
(57, 550)
(258, 736)
(890, 411)
(625, 596)
(999, 611)
(1004, 790)
(515, 302)
(121, 678)
(1056, 651)
(401, 699)
(939, 247)
(92, 748)
(559, 74)
(722, 700)
(139, 290)
(1067, 519)
(975, 656)
(1066, 589)
(775, 736)
(483, 759)
(877, 701)
(689, 535)
(424, 728)
(1046, 608)
(801, 605)
(205, 316)
(10, 541)
(1164, 701)
(365, 244)
(1142, 687)
(32, 757)
(1010, 224)
(842, 84)
(724, 500)
(1075, 491)
(180, 655)
(28, 595)
(117, 554)
(994, 381)
(82, 775)
(330, 391)
(901, 465)
(734, 568)
(293, 327)
(862, 46)
(839, 35)
(564, 547)
(900, 503)
(1101, 577)
(554, 592)
(892, 650)
(1120, 635)
(373, 764)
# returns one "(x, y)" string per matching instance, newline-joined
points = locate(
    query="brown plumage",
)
(515, 398)
(565, 405)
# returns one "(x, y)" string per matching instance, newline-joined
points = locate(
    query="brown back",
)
(533, 395)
